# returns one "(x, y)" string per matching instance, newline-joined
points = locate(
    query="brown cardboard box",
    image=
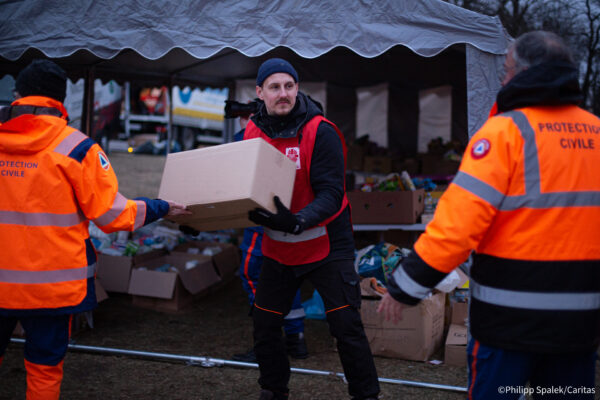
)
(220, 184)
(460, 313)
(114, 271)
(401, 207)
(455, 351)
(227, 261)
(416, 337)
(171, 291)
(377, 164)
(432, 164)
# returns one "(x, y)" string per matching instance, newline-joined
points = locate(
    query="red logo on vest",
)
(293, 153)
(480, 149)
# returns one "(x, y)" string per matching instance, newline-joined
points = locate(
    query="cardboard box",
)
(432, 164)
(377, 164)
(169, 290)
(226, 262)
(220, 184)
(401, 207)
(455, 351)
(416, 337)
(114, 272)
(460, 313)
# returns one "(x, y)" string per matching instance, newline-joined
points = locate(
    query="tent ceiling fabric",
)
(215, 42)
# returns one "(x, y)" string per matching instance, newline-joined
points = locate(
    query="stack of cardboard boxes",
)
(455, 351)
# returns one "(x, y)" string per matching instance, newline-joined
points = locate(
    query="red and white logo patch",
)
(103, 161)
(293, 153)
(480, 148)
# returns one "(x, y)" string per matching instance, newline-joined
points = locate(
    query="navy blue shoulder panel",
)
(79, 152)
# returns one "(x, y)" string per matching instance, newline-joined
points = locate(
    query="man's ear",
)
(259, 92)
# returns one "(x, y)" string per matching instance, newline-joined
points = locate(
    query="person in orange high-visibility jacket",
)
(526, 200)
(311, 240)
(54, 180)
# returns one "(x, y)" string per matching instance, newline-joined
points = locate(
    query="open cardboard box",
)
(114, 272)
(171, 290)
(220, 184)
(416, 337)
(226, 261)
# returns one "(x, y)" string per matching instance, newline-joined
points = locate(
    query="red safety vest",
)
(312, 244)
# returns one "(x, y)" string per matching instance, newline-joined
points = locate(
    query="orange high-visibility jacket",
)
(53, 179)
(527, 200)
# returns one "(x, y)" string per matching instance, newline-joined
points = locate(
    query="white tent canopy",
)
(347, 44)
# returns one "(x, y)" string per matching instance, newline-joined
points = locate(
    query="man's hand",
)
(177, 209)
(390, 308)
(284, 220)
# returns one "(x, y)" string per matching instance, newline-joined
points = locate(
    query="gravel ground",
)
(215, 326)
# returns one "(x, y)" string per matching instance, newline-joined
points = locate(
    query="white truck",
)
(198, 115)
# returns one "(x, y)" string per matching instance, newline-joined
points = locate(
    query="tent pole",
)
(87, 112)
(170, 135)
(217, 362)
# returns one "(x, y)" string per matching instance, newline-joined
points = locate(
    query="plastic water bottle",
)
(429, 206)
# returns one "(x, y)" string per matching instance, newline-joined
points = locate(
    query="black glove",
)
(284, 220)
(188, 230)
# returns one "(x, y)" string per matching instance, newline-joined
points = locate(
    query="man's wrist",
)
(300, 225)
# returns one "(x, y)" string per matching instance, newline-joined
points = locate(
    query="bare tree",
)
(516, 15)
(592, 50)
(577, 21)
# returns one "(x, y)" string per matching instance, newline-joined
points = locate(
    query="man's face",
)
(510, 67)
(279, 93)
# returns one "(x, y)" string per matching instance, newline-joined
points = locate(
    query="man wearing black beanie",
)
(42, 78)
(54, 180)
(313, 240)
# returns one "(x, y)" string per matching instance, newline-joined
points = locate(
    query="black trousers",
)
(338, 285)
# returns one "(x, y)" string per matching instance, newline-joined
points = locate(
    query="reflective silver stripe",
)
(140, 216)
(308, 234)
(57, 276)
(549, 200)
(69, 143)
(531, 160)
(40, 219)
(117, 208)
(535, 300)
(296, 313)
(479, 188)
(409, 285)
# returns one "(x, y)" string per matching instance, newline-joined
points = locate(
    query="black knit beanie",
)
(42, 78)
(272, 66)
